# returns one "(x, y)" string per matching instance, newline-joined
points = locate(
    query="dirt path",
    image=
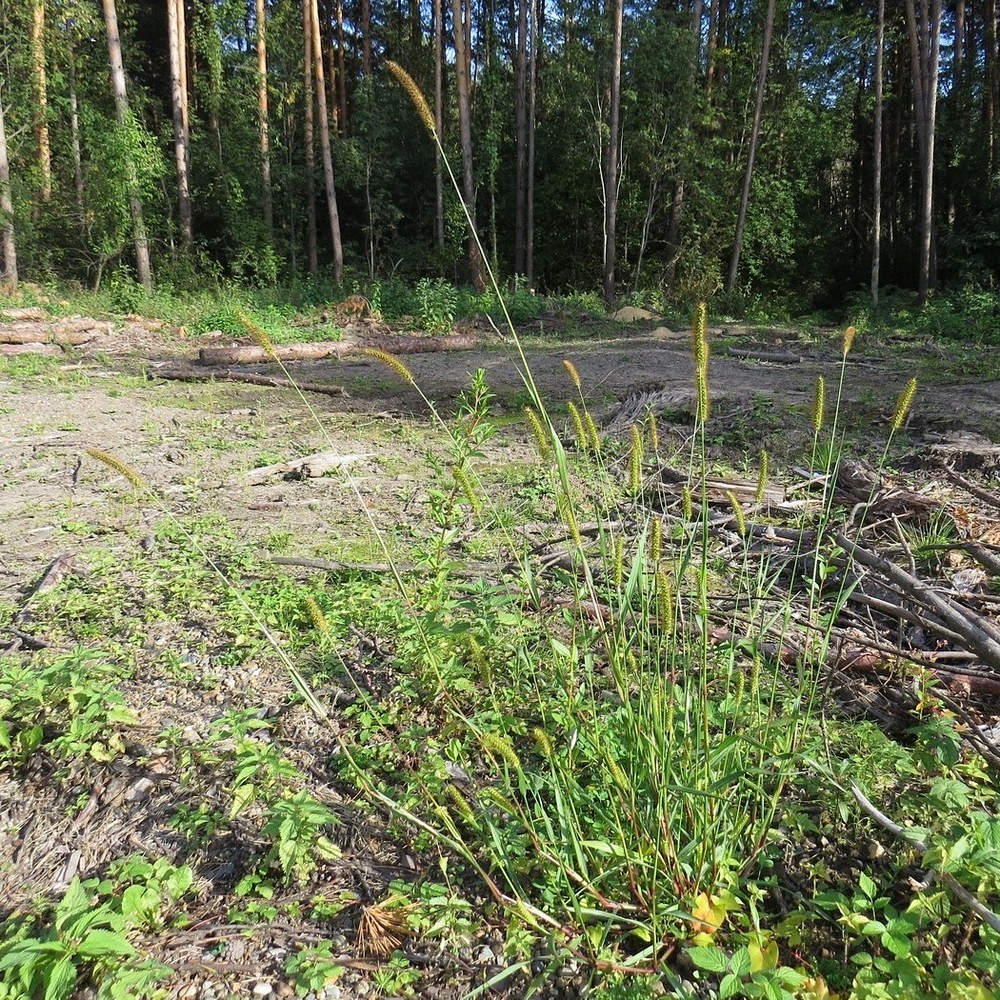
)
(193, 440)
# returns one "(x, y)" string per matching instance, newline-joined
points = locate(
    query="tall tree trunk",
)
(366, 38)
(992, 82)
(311, 249)
(464, 88)
(74, 136)
(877, 154)
(438, 123)
(521, 135)
(924, 27)
(713, 43)
(324, 143)
(611, 154)
(758, 112)
(142, 266)
(181, 145)
(529, 209)
(341, 71)
(7, 210)
(267, 196)
(41, 99)
(209, 31)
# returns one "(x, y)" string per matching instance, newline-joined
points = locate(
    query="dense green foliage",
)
(686, 109)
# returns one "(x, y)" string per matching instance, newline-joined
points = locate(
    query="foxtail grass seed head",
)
(656, 540)
(619, 567)
(460, 802)
(819, 404)
(391, 361)
(848, 340)
(664, 601)
(464, 483)
(704, 408)
(538, 432)
(499, 800)
(543, 742)
(574, 375)
(122, 468)
(617, 772)
(635, 462)
(758, 496)
(687, 503)
(903, 405)
(257, 332)
(565, 506)
(415, 95)
(480, 660)
(653, 430)
(315, 613)
(578, 428)
(501, 747)
(593, 437)
(699, 342)
(741, 518)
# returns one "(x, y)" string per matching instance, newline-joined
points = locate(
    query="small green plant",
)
(311, 969)
(84, 939)
(70, 705)
(438, 301)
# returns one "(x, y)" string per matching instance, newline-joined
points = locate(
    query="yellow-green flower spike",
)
(819, 404)
(542, 442)
(574, 375)
(738, 514)
(123, 468)
(415, 94)
(257, 332)
(903, 405)
(758, 496)
(848, 339)
(391, 361)
(635, 462)
(578, 429)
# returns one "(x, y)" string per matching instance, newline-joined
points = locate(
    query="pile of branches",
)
(906, 575)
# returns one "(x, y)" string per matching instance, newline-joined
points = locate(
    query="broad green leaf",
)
(61, 979)
(711, 959)
(99, 943)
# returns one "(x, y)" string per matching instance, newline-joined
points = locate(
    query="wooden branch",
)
(254, 354)
(252, 378)
(956, 887)
(775, 357)
(978, 633)
(308, 467)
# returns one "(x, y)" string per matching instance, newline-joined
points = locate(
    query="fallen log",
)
(73, 330)
(20, 313)
(30, 348)
(253, 378)
(308, 467)
(254, 354)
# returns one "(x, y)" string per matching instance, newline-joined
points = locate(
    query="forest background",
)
(793, 152)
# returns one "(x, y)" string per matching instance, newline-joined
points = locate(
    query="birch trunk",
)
(263, 126)
(310, 141)
(7, 210)
(181, 147)
(324, 142)
(464, 87)
(41, 99)
(143, 268)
